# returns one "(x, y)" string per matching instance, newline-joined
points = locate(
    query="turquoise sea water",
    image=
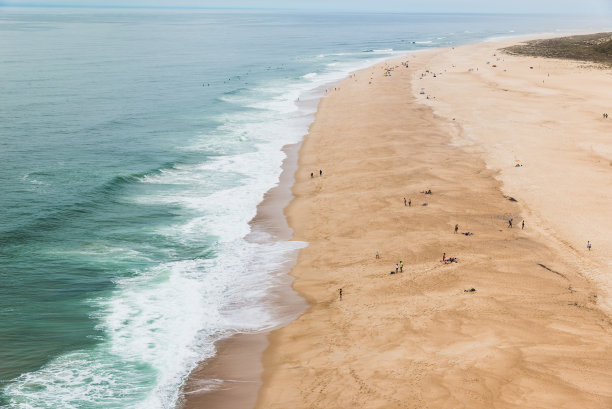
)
(135, 146)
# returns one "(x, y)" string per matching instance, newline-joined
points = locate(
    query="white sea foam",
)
(156, 325)
(164, 320)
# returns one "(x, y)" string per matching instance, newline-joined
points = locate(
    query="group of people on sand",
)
(320, 173)
(448, 260)
(399, 267)
(605, 116)
(465, 233)
(510, 224)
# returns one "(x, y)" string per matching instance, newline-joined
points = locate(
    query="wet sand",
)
(232, 378)
(535, 332)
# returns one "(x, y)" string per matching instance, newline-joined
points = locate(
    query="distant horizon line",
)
(136, 7)
(117, 6)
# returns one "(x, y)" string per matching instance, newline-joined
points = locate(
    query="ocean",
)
(135, 146)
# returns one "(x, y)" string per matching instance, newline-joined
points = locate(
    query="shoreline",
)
(232, 378)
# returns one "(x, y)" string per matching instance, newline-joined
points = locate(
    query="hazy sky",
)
(517, 6)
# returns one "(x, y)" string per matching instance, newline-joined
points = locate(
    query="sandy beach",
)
(536, 330)
(521, 319)
(547, 116)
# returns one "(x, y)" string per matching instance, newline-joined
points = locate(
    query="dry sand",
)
(536, 333)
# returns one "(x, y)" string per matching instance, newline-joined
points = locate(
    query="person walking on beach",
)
(405, 202)
(510, 223)
(320, 172)
(409, 202)
(523, 225)
(396, 268)
(401, 266)
(340, 293)
(589, 245)
(456, 228)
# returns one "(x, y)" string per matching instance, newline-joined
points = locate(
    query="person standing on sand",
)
(409, 202)
(510, 223)
(523, 225)
(401, 266)
(340, 293)
(456, 228)
(396, 268)
(320, 172)
(405, 202)
(589, 245)
(311, 175)
(443, 256)
(377, 255)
